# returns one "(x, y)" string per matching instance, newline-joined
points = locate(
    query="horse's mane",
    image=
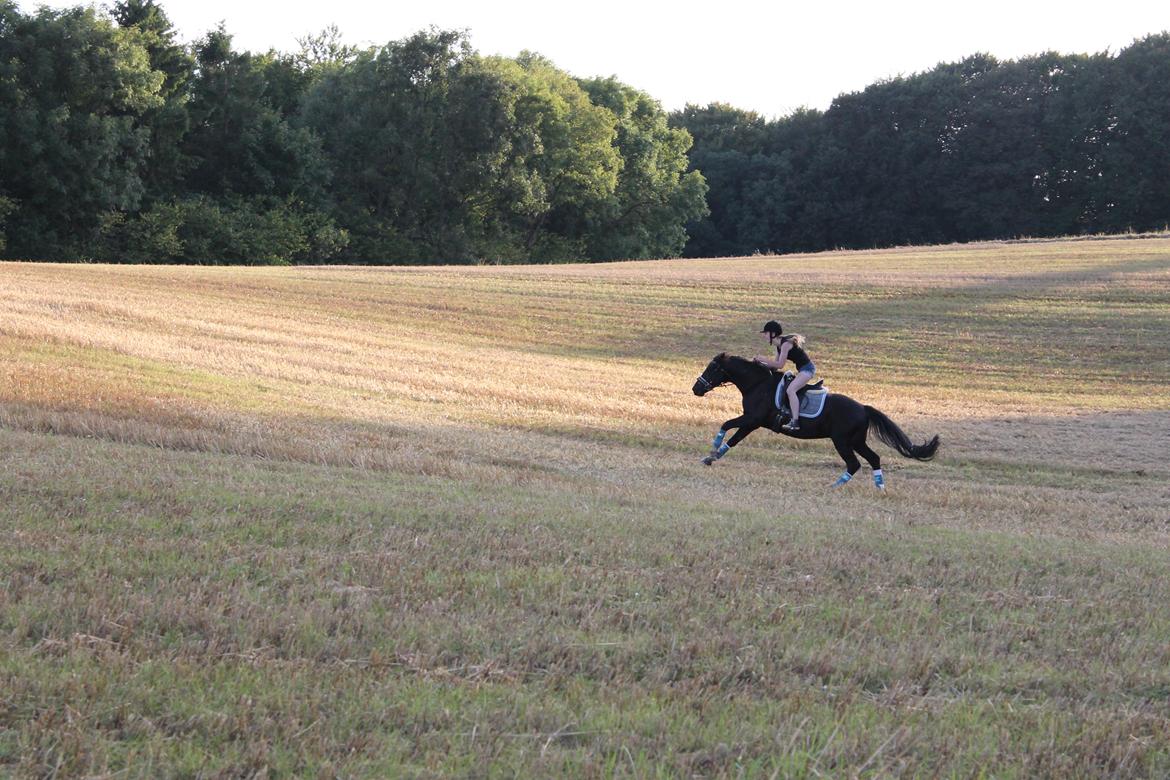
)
(743, 363)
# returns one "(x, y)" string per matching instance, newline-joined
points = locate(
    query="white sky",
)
(770, 57)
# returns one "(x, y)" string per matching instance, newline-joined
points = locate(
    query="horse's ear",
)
(721, 357)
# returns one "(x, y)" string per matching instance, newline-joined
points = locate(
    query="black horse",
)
(842, 419)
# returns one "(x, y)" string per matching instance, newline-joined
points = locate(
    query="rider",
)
(789, 348)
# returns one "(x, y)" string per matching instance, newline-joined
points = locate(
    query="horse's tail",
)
(891, 434)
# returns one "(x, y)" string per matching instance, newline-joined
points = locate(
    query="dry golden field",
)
(450, 521)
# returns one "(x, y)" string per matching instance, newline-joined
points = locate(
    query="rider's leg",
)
(800, 381)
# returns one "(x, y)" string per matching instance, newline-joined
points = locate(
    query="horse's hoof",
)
(707, 461)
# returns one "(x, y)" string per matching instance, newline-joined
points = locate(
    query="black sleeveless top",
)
(795, 353)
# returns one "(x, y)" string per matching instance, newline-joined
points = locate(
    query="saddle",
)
(811, 397)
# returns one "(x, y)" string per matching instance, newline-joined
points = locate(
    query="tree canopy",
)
(118, 142)
(1046, 145)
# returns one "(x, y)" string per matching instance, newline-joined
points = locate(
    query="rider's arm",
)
(781, 358)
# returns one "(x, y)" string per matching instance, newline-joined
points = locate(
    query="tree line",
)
(120, 143)
(1048, 145)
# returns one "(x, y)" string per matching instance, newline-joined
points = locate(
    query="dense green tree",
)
(655, 196)
(728, 150)
(232, 229)
(562, 163)
(7, 206)
(997, 158)
(239, 142)
(1078, 126)
(1135, 161)
(441, 154)
(810, 192)
(719, 126)
(1045, 145)
(119, 142)
(169, 121)
(73, 148)
(325, 50)
(257, 187)
(412, 133)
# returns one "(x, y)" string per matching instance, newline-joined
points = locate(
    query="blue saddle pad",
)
(812, 403)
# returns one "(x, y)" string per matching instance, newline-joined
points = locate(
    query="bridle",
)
(708, 385)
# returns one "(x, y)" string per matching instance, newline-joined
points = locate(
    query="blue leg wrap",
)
(721, 450)
(718, 440)
(843, 479)
(879, 480)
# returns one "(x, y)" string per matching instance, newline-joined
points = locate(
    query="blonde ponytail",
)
(798, 340)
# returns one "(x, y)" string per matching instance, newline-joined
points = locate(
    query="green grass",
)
(508, 562)
(219, 614)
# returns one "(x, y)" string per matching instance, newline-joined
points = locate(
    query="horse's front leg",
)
(719, 447)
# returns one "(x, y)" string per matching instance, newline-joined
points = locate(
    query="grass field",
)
(423, 522)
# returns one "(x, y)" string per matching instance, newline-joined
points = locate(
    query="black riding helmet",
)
(772, 328)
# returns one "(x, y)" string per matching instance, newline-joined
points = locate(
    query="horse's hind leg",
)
(871, 457)
(852, 464)
(861, 448)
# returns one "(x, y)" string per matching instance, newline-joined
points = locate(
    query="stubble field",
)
(451, 521)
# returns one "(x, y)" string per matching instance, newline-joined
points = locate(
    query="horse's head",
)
(723, 368)
(713, 375)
